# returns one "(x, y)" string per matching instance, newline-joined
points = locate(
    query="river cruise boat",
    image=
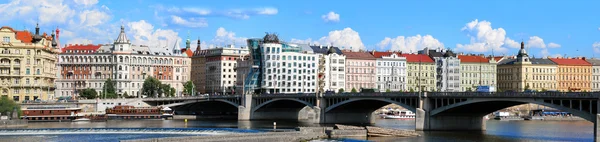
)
(131, 112)
(398, 114)
(44, 114)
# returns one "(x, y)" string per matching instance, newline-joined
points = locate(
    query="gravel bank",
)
(253, 137)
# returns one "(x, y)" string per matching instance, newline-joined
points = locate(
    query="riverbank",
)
(247, 137)
(4, 124)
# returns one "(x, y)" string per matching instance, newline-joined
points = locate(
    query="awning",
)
(166, 108)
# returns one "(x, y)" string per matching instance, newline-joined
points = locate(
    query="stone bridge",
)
(434, 110)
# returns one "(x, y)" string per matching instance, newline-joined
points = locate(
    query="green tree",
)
(152, 87)
(544, 90)
(432, 90)
(411, 90)
(341, 90)
(172, 93)
(7, 106)
(469, 89)
(353, 90)
(189, 87)
(88, 93)
(526, 87)
(125, 94)
(109, 86)
(388, 90)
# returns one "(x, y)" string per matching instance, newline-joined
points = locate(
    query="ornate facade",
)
(421, 72)
(360, 70)
(128, 65)
(215, 69)
(27, 64)
(391, 71)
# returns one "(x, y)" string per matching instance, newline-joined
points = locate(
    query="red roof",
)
(377, 54)
(497, 58)
(472, 59)
(418, 58)
(570, 61)
(81, 47)
(358, 55)
(24, 36)
(188, 52)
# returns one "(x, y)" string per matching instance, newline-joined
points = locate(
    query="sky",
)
(548, 28)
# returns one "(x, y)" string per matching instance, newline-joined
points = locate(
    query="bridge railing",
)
(192, 97)
(374, 94)
(516, 94)
(286, 95)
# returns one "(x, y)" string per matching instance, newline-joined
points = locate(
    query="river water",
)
(122, 130)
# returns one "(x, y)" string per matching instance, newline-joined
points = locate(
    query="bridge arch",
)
(261, 105)
(413, 109)
(495, 104)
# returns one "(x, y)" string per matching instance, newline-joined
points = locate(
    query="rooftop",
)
(358, 55)
(571, 61)
(594, 62)
(325, 49)
(472, 59)
(81, 47)
(418, 58)
(378, 54)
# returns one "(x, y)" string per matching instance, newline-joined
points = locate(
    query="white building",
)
(89, 66)
(283, 67)
(332, 64)
(447, 69)
(391, 71)
(595, 74)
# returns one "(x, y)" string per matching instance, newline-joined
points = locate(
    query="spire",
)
(122, 37)
(176, 49)
(57, 36)
(522, 45)
(54, 44)
(198, 48)
(187, 43)
(37, 28)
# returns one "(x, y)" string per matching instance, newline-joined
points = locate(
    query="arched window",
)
(120, 68)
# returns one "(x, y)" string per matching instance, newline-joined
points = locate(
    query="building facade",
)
(595, 74)
(198, 73)
(421, 72)
(279, 67)
(476, 70)
(331, 69)
(360, 70)
(447, 69)
(574, 74)
(391, 71)
(27, 64)
(127, 65)
(216, 69)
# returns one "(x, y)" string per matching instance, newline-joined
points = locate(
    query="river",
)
(120, 130)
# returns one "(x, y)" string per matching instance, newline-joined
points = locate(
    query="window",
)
(28, 53)
(6, 39)
(27, 71)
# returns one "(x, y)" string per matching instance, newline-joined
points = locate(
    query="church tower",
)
(122, 43)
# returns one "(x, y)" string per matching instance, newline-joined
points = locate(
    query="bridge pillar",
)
(597, 128)
(422, 114)
(245, 109)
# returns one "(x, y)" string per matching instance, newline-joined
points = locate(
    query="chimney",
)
(372, 52)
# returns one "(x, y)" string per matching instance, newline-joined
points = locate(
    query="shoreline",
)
(245, 137)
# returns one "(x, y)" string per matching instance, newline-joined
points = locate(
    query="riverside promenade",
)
(294, 136)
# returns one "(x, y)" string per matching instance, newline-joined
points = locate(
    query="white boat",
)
(398, 114)
(81, 120)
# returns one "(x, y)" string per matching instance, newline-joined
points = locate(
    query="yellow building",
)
(574, 74)
(421, 72)
(27, 64)
(522, 72)
(476, 71)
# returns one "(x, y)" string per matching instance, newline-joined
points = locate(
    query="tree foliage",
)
(188, 88)
(7, 106)
(341, 90)
(151, 87)
(109, 86)
(88, 93)
(388, 90)
(353, 90)
(411, 90)
(526, 87)
(469, 89)
(544, 90)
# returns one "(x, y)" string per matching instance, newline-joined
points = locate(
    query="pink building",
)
(360, 70)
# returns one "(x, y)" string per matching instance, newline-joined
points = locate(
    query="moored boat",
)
(131, 112)
(398, 114)
(34, 114)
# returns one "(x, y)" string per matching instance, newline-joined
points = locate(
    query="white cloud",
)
(90, 18)
(545, 52)
(535, 42)
(191, 22)
(224, 37)
(86, 2)
(231, 13)
(484, 37)
(553, 45)
(599, 29)
(45, 12)
(331, 17)
(511, 43)
(596, 47)
(143, 33)
(410, 44)
(79, 41)
(345, 39)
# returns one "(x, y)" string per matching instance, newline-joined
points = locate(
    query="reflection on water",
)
(496, 130)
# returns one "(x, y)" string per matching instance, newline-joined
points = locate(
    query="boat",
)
(130, 112)
(397, 114)
(45, 114)
(82, 120)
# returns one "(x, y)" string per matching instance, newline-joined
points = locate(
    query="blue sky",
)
(549, 28)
